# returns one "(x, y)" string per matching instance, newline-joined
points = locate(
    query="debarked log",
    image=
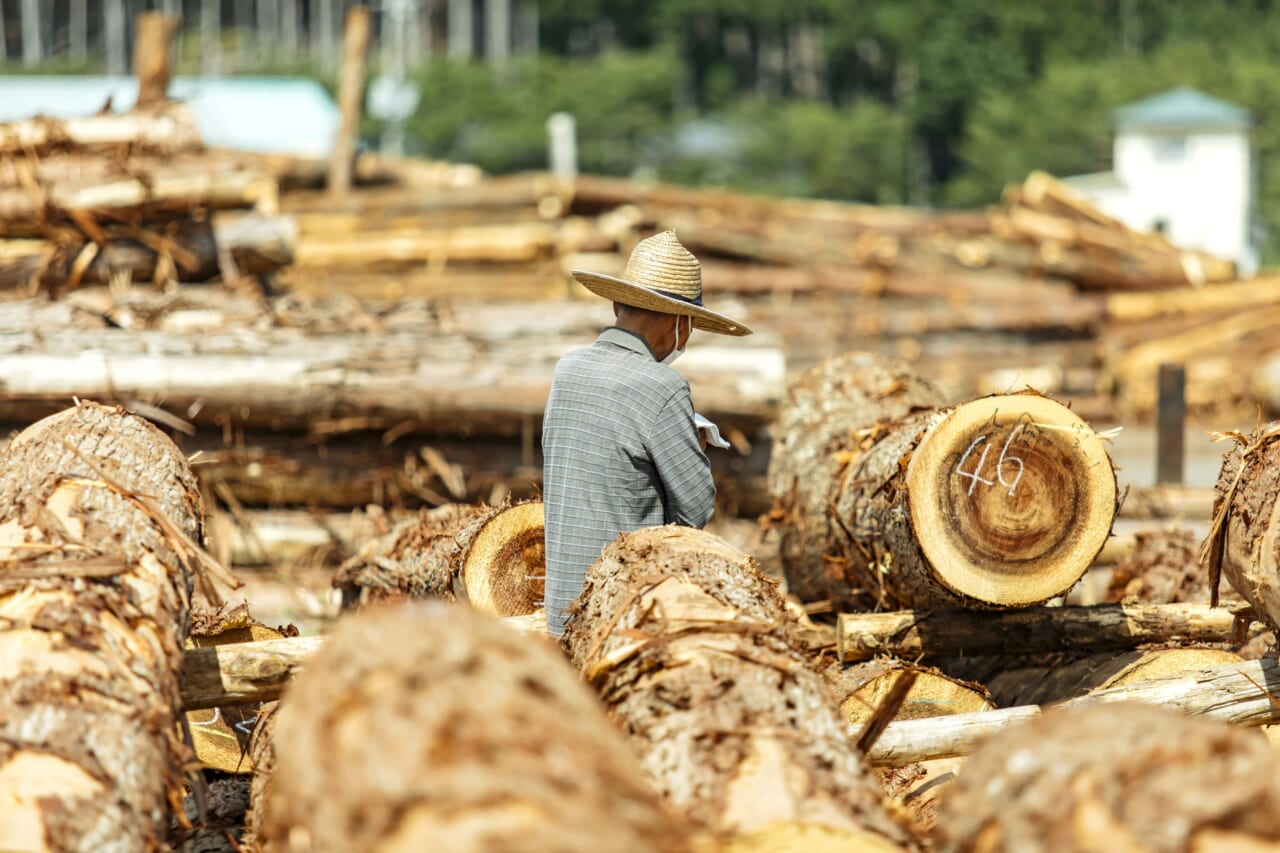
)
(1241, 694)
(911, 634)
(166, 129)
(443, 378)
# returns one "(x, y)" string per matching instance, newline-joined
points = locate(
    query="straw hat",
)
(661, 275)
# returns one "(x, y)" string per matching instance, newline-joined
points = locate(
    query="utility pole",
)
(211, 37)
(461, 30)
(115, 25)
(32, 43)
(78, 29)
(497, 15)
(289, 26)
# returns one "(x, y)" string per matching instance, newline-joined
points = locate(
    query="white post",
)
(461, 29)
(498, 31)
(32, 43)
(115, 25)
(562, 131)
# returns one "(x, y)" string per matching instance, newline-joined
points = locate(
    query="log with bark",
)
(696, 657)
(861, 688)
(220, 735)
(1067, 677)
(99, 525)
(912, 634)
(181, 248)
(492, 558)
(1244, 542)
(429, 726)
(1162, 568)
(1115, 778)
(1000, 502)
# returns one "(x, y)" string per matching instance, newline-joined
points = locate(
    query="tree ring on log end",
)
(506, 566)
(1011, 498)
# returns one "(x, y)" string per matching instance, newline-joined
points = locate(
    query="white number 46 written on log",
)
(976, 477)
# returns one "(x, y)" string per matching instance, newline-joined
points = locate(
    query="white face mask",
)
(677, 350)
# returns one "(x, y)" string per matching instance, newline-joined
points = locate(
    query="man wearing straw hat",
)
(619, 444)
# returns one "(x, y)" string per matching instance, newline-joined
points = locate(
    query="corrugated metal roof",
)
(1182, 109)
(283, 115)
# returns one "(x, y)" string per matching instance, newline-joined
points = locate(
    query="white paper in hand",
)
(711, 430)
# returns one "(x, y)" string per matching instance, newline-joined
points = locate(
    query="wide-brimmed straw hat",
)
(661, 275)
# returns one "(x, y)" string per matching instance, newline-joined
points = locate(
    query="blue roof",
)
(1182, 109)
(276, 115)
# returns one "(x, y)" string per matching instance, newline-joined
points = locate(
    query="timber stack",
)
(132, 197)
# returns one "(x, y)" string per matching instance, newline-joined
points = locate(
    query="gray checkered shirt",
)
(620, 452)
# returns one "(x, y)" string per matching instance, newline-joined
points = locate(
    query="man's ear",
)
(617, 309)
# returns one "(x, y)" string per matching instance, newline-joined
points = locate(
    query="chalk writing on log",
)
(975, 476)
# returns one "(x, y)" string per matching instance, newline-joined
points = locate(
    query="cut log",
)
(162, 130)
(1000, 502)
(262, 754)
(427, 726)
(220, 735)
(1040, 685)
(1142, 307)
(494, 559)
(1163, 568)
(1244, 543)
(407, 377)
(242, 673)
(696, 658)
(1111, 778)
(913, 634)
(826, 403)
(1187, 502)
(861, 688)
(1242, 694)
(94, 594)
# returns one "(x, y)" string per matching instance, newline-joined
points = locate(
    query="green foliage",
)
(498, 119)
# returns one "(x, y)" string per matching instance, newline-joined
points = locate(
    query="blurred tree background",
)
(927, 102)
(937, 102)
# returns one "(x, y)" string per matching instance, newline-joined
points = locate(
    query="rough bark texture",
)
(1162, 569)
(494, 558)
(979, 636)
(911, 512)
(417, 559)
(427, 726)
(1117, 778)
(94, 601)
(262, 753)
(1067, 678)
(1246, 538)
(226, 804)
(829, 412)
(695, 656)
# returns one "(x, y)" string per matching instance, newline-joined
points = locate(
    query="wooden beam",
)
(153, 55)
(913, 633)
(355, 48)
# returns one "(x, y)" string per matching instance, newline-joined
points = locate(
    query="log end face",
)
(505, 569)
(1011, 497)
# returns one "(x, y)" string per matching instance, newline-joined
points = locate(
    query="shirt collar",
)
(627, 340)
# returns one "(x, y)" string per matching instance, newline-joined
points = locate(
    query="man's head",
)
(662, 277)
(663, 332)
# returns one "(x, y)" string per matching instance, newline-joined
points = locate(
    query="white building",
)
(1184, 167)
